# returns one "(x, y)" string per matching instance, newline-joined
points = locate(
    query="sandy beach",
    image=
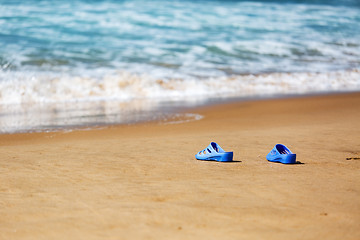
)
(142, 181)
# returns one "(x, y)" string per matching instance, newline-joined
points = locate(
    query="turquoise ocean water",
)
(82, 63)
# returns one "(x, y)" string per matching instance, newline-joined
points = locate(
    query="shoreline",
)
(166, 111)
(142, 180)
(125, 98)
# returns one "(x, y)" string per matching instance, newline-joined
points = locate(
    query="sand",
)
(142, 181)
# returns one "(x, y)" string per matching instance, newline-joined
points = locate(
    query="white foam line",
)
(17, 88)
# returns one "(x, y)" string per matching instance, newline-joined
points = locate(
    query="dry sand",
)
(143, 182)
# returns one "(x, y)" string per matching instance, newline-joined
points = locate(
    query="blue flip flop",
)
(214, 153)
(280, 153)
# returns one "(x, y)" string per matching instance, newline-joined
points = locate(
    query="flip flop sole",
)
(285, 159)
(221, 157)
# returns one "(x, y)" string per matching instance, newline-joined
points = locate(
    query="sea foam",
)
(18, 88)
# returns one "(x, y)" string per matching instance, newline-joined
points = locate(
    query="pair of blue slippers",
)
(280, 153)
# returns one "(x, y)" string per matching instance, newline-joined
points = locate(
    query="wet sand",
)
(142, 181)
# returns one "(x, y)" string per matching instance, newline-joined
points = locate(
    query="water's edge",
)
(168, 113)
